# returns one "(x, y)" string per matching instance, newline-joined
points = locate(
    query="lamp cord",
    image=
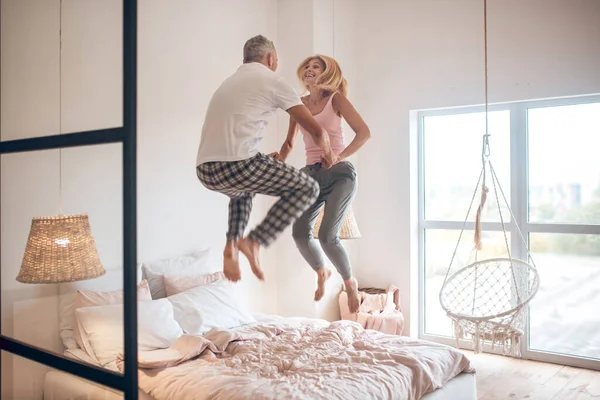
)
(60, 108)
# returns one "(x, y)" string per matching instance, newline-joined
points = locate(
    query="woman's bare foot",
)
(250, 248)
(231, 264)
(323, 274)
(353, 297)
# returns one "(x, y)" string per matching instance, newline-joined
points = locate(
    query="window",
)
(545, 155)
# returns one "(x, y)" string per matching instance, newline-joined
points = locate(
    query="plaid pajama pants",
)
(261, 174)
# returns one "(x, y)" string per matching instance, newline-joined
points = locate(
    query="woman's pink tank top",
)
(332, 123)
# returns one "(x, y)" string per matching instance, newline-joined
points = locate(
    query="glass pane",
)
(564, 315)
(564, 173)
(439, 246)
(51, 86)
(38, 306)
(452, 163)
(26, 379)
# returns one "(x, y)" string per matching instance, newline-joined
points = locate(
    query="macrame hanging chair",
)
(487, 299)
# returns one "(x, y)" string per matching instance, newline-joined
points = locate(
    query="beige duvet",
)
(315, 360)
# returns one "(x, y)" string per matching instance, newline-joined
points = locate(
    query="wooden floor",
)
(501, 377)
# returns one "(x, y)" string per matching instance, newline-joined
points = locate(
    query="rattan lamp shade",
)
(349, 229)
(60, 249)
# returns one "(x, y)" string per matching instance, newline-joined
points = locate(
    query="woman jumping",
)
(322, 77)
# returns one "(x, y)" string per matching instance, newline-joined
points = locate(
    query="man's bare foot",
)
(323, 274)
(353, 297)
(231, 264)
(250, 248)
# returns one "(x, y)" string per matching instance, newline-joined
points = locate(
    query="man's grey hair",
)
(257, 48)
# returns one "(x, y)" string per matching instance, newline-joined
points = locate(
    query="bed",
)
(61, 386)
(196, 341)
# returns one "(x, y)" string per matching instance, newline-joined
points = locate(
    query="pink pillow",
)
(178, 283)
(89, 298)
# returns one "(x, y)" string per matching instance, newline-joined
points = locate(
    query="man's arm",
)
(302, 115)
(287, 146)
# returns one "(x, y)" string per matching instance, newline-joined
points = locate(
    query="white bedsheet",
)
(62, 386)
(315, 360)
(462, 387)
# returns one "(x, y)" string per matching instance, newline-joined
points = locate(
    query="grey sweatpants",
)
(337, 190)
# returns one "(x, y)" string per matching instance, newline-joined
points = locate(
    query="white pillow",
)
(90, 298)
(177, 283)
(197, 263)
(102, 328)
(202, 308)
(112, 280)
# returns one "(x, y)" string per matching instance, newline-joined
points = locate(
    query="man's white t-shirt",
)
(239, 111)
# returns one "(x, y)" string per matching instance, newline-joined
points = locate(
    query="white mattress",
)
(463, 387)
(59, 385)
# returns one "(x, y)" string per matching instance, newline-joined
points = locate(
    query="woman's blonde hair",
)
(331, 80)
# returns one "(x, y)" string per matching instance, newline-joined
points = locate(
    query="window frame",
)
(518, 203)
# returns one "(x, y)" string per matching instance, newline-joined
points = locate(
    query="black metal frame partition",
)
(128, 382)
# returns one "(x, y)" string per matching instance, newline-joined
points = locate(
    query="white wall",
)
(185, 50)
(431, 55)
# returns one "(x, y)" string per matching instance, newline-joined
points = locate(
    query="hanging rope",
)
(485, 63)
(484, 192)
(485, 148)
(463, 227)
